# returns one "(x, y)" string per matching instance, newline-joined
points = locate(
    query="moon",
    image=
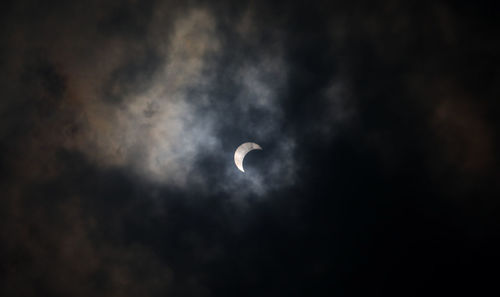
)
(242, 151)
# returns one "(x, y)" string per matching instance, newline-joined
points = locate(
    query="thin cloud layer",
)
(161, 131)
(157, 104)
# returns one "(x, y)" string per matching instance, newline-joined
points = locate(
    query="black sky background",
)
(395, 187)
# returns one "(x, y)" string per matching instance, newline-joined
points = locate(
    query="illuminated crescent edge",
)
(241, 152)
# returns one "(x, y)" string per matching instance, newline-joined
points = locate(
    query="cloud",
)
(121, 120)
(157, 102)
(158, 121)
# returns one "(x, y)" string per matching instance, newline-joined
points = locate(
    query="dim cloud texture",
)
(167, 92)
(122, 118)
(162, 131)
(164, 99)
(159, 106)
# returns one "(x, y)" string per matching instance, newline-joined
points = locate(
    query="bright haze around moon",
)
(242, 151)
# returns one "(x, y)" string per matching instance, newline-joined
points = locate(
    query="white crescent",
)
(242, 151)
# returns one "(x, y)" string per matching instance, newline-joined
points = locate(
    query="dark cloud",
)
(119, 122)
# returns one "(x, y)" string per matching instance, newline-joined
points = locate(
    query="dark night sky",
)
(379, 123)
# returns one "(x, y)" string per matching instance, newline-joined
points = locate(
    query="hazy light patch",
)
(162, 131)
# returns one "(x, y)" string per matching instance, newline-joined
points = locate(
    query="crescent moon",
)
(242, 151)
